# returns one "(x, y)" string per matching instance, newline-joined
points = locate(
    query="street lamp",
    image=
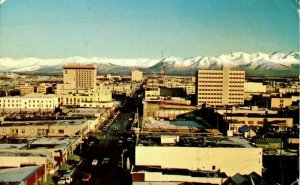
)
(122, 156)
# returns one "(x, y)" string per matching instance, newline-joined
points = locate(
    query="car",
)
(115, 129)
(120, 164)
(86, 177)
(120, 142)
(105, 161)
(129, 139)
(91, 144)
(94, 162)
(61, 181)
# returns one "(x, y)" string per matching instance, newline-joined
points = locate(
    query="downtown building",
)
(220, 87)
(136, 76)
(80, 76)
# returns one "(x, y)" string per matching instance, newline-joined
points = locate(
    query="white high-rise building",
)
(80, 76)
(30, 103)
(220, 87)
(136, 75)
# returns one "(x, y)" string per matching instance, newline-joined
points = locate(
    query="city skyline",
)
(143, 29)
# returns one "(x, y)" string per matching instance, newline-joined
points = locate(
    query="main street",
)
(110, 143)
(112, 140)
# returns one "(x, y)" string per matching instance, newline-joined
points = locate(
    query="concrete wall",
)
(258, 121)
(16, 161)
(42, 130)
(281, 102)
(156, 110)
(228, 160)
(159, 177)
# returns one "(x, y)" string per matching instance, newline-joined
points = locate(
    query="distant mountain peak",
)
(251, 63)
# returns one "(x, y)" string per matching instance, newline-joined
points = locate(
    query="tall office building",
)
(80, 76)
(220, 87)
(136, 75)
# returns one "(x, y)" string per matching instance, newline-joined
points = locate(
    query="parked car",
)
(105, 161)
(94, 162)
(120, 164)
(91, 144)
(61, 181)
(68, 175)
(120, 142)
(115, 129)
(129, 139)
(86, 177)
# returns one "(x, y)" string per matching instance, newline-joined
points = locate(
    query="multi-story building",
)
(282, 102)
(44, 128)
(43, 88)
(26, 89)
(100, 99)
(220, 87)
(203, 165)
(80, 76)
(31, 103)
(255, 87)
(136, 75)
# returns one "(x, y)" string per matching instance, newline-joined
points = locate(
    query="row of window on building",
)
(19, 105)
(32, 131)
(25, 101)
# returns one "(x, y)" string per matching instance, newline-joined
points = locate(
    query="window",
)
(61, 131)
(250, 122)
(23, 130)
(52, 131)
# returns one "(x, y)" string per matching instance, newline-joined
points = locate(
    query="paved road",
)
(107, 146)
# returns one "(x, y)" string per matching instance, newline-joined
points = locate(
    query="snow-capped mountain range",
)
(278, 64)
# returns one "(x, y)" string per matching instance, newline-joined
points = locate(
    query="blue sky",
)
(143, 28)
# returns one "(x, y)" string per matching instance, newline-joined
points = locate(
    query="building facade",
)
(255, 87)
(80, 76)
(220, 87)
(26, 89)
(44, 129)
(282, 102)
(136, 76)
(30, 103)
(79, 99)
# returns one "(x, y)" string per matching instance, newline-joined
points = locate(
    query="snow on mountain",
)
(32, 64)
(239, 60)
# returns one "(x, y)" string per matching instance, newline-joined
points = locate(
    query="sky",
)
(145, 28)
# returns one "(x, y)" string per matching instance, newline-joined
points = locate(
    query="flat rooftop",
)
(39, 143)
(151, 123)
(78, 66)
(43, 122)
(16, 175)
(194, 140)
(52, 142)
(13, 154)
(183, 172)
